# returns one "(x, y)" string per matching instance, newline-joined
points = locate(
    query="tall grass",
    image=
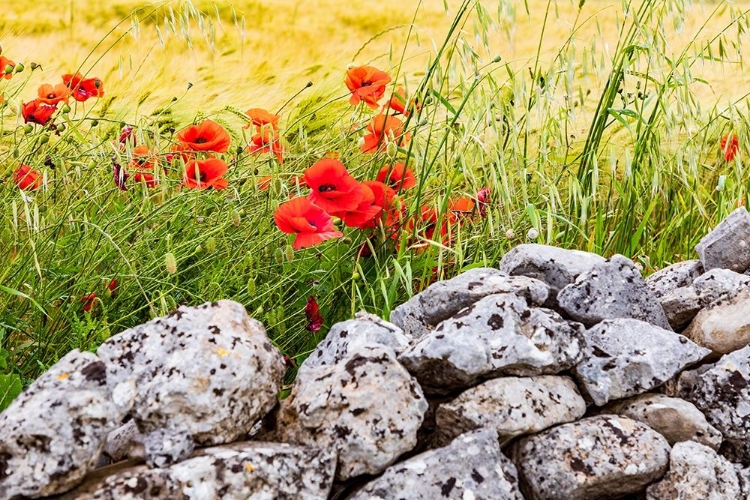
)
(603, 148)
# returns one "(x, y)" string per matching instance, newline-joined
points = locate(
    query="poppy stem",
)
(309, 84)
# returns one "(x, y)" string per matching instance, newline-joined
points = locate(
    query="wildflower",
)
(367, 84)
(265, 182)
(261, 118)
(88, 301)
(483, 199)
(400, 104)
(127, 133)
(380, 130)
(27, 179)
(120, 176)
(144, 163)
(385, 198)
(83, 88)
(53, 95)
(267, 141)
(398, 176)
(310, 223)
(112, 287)
(312, 313)
(729, 146)
(4, 63)
(204, 174)
(333, 189)
(365, 212)
(37, 112)
(461, 205)
(430, 217)
(206, 136)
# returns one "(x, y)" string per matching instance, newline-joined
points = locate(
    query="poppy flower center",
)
(50, 96)
(201, 140)
(366, 84)
(325, 188)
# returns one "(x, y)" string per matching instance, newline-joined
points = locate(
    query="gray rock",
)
(724, 326)
(676, 276)
(125, 442)
(512, 406)
(681, 305)
(137, 483)
(728, 245)
(471, 467)
(443, 299)
(363, 329)
(674, 418)
(367, 408)
(555, 266)
(164, 447)
(498, 335)
(743, 475)
(209, 370)
(51, 435)
(627, 357)
(722, 393)
(696, 472)
(613, 289)
(595, 458)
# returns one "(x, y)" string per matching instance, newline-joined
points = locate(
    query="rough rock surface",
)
(498, 335)
(744, 478)
(124, 442)
(512, 406)
(51, 435)
(728, 245)
(613, 289)
(595, 458)
(722, 393)
(677, 275)
(674, 418)
(471, 467)
(137, 483)
(555, 266)
(366, 407)
(696, 472)
(681, 305)
(164, 447)
(627, 357)
(209, 370)
(443, 299)
(363, 329)
(724, 326)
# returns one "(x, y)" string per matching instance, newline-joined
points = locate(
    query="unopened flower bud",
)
(251, 288)
(170, 262)
(236, 218)
(44, 139)
(211, 244)
(497, 59)
(289, 253)
(65, 109)
(28, 128)
(278, 256)
(19, 67)
(8, 69)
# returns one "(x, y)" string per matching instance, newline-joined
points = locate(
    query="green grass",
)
(607, 151)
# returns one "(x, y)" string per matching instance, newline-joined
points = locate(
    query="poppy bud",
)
(189, 85)
(28, 128)
(65, 109)
(8, 69)
(170, 262)
(289, 253)
(92, 164)
(355, 276)
(497, 59)
(19, 67)
(61, 127)
(391, 149)
(235, 218)
(423, 122)
(94, 123)
(211, 245)
(278, 256)
(44, 139)
(251, 287)
(34, 66)
(97, 83)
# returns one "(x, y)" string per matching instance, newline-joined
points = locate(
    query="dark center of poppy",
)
(325, 188)
(201, 140)
(50, 96)
(366, 84)
(202, 177)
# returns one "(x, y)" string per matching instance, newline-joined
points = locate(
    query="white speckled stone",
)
(443, 299)
(471, 467)
(366, 407)
(498, 335)
(363, 329)
(209, 370)
(679, 275)
(724, 326)
(627, 357)
(696, 472)
(52, 434)
(125, 442)
(512, 406)
(595, 458)
(613, 289)
(164, 447)
(728, 245)
(135, 483)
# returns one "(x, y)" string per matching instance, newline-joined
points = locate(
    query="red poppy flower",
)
(112, 286)
(483, 199)
(52, 95)
(265, 182)
(312, 313)
(206, 136)
(367, 84)
(4, 63)
(381, 129)
(430, 218)
(88, 301)
(398, 176)
(461, 205)
(27, 179)
(333, 189)
(730, 146)
(267, 141)
(310, 223)
(204, 174)
(400, 104)
(83, 88)
(385, 198)
(120, 176)
(365, 212)
(143, 164)
(37, 112)
(261, 118)
(127, 133)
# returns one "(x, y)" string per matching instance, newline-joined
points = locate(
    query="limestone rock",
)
(471, 467)
(125, 442)
(728, 245)
(627, 357)
(696, 472)
(511, 406)
(555, 266)
(681, 306)
(209, 370)
(51, 435)
(443, 299)
(164, 447)
(363, 329)
(137, 483)
(595, 458)
(367, 408)
(724, 326)
(744, 478)
(610, 290)
(676, 276)
(674, 418)
(498, 335)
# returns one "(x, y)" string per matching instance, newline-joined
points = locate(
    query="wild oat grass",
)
(596, 125)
